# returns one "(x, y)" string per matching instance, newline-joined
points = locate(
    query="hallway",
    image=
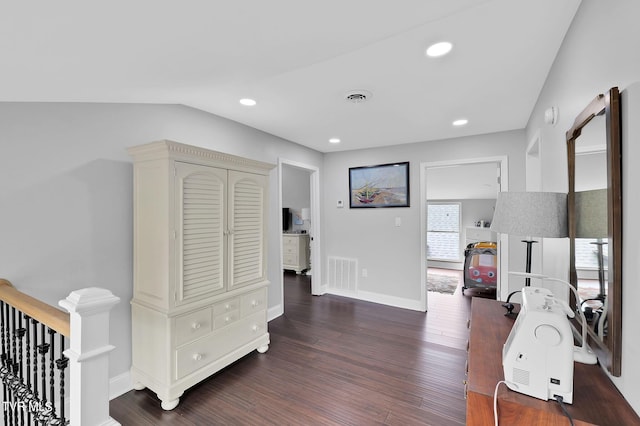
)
(333, 361)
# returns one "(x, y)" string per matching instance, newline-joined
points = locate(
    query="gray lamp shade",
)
(531, 214)
(591, 214)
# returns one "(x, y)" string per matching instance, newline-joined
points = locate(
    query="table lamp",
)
(531, 214)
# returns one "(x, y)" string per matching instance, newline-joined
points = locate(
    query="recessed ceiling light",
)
(439, 49)
(460, 122)
(334, 140)
(248, 102)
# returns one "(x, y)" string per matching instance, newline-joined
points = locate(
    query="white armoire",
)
(200, 283)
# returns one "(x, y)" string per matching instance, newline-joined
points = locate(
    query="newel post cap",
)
(89, 299)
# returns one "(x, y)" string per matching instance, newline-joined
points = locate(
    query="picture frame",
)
(379, 186)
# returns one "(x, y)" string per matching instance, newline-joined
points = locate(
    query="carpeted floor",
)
(442, 283)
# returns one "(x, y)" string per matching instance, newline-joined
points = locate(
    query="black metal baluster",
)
(14, 342)
(27, 348)
(14, 364)
(52, 358)
(20, 332)
(8, 326)
(43, 348)
(34, 356)
(62, 364)
(3, 358)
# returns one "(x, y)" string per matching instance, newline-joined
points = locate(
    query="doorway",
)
(299, 200)
(469, 187)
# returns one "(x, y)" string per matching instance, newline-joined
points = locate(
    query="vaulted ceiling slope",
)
(297, 59)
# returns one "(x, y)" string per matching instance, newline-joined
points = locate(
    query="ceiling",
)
(297, 59)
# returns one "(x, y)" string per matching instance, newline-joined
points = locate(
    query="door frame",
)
(314, 210)
(503, 246)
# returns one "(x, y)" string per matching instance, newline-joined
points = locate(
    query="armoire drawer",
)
(191, 326)
(225, 319)
(203, 352)
(227, 305)
(253, 302)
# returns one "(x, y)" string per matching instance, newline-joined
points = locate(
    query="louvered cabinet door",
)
(247, 228)
(200, 231)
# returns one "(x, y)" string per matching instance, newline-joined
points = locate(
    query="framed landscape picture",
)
(384, 185)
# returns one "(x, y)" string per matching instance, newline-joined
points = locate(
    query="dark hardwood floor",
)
(333, 361)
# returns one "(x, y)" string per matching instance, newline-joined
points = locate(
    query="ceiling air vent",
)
(358, 96)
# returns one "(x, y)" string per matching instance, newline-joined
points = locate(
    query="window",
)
(587, 254)
(443, 232)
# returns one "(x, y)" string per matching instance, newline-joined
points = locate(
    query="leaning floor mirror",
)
(595, 223)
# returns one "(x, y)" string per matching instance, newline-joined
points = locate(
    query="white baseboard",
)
(120, 385)
(275, 312)
(339, 292)
(383, 299)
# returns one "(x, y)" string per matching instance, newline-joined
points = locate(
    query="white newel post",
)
(88, 355)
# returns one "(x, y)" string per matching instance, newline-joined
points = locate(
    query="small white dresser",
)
(295, 252)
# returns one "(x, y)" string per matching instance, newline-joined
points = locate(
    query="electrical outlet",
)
(365, 273)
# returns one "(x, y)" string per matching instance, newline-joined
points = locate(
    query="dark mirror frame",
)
(610, 351)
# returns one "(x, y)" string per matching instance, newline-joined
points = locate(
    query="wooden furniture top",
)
(595, 398)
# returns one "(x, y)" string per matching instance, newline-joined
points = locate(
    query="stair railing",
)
(54, 365)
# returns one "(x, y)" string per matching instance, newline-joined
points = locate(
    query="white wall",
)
(66, 194)
(391, 254)
(599, 52)
(474, 210)
(295, 187)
